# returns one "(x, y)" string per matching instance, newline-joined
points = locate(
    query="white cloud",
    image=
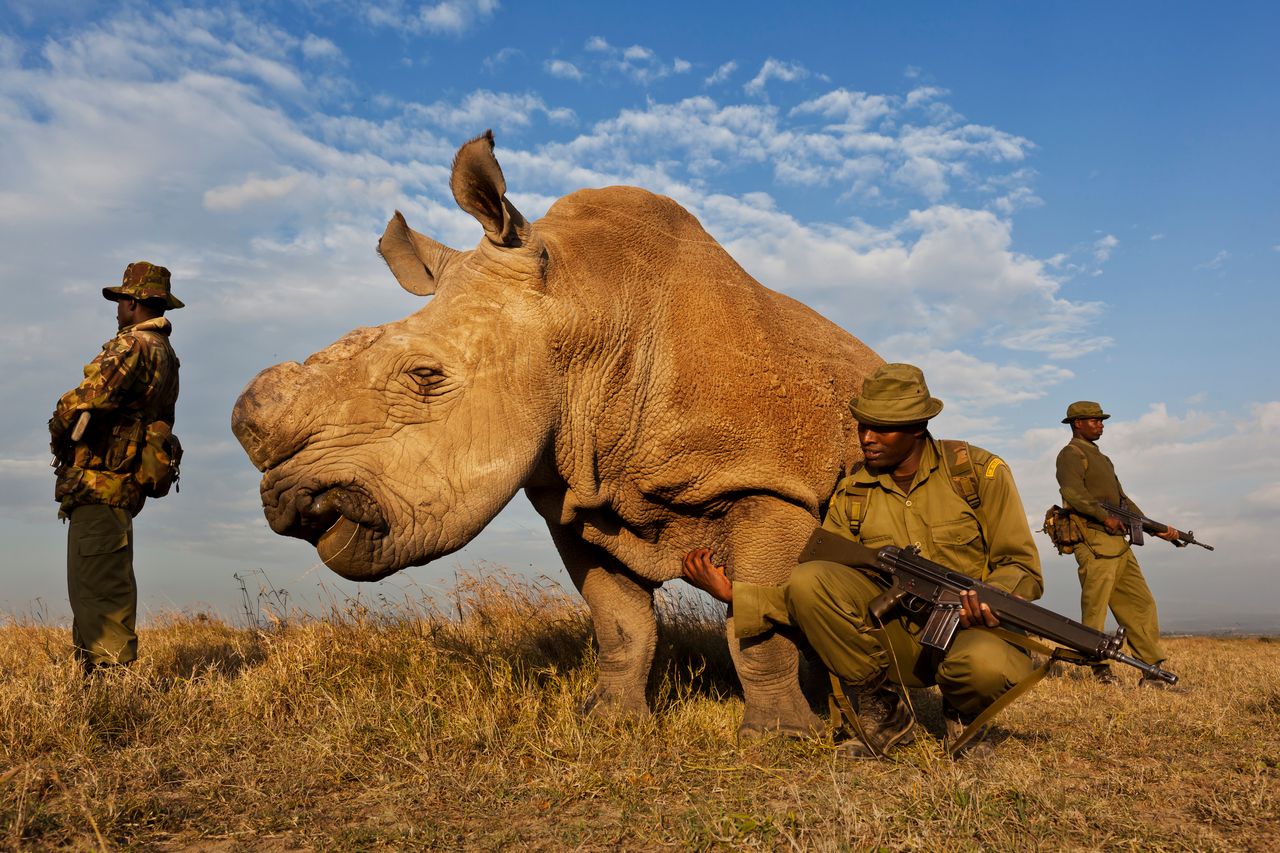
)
(774, 69)
(1157, 237)
(1216, 262)
(10, 52)
(1103, 247)
(561, 68)
(502, 57)
(638, 63)
(251, 190)
(316, 47)
(722, 73)
(484, 109)
(452, 17)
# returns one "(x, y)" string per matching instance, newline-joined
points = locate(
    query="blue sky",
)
(1035, 202)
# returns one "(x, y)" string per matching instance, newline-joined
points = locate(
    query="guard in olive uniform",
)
(1109, 572)
(99, 430)
(958, 504)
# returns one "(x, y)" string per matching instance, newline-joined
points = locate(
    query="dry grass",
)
(458, 728)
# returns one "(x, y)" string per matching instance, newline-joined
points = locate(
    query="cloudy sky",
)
(1035, 202)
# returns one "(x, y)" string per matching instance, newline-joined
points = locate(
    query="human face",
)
(887, 449)
(125, 309)
(1088, 428)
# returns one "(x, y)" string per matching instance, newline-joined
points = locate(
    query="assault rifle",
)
(1138, 524)
(922, 585)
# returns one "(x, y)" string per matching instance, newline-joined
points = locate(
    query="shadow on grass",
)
(222, 658)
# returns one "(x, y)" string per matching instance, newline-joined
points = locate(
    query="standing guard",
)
(113, 443)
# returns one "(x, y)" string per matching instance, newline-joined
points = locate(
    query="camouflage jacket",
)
(131, 383)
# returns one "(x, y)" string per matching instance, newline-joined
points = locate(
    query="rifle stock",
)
(913, 577)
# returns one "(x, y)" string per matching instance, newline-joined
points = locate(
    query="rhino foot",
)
(615, 702)
(785, 716)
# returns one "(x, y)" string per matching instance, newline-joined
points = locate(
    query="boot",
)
(956, 723)
(882, 721)
(1103, 675)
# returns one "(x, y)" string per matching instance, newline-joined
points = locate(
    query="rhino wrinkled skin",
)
(613, 361)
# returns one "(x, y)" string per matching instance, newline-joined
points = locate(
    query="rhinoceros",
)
(612, 360)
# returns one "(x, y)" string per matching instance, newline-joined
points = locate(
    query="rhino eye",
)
(427, 381)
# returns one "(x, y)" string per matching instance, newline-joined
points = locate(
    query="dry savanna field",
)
(456, 726)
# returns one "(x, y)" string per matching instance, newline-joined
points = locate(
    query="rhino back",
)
(699, 382)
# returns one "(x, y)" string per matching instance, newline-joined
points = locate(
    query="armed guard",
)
(1109, 573)
(113, 447)
(954, 502)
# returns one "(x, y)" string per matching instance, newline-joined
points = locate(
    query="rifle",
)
(1137, 524)
(927, 585)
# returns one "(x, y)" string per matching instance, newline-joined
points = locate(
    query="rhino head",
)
(399, 443)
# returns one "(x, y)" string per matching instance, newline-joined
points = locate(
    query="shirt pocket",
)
(959, 547)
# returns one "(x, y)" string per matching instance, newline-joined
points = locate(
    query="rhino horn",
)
(480, 189)
(415, 259)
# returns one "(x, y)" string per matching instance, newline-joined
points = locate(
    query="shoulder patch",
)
(993, 466)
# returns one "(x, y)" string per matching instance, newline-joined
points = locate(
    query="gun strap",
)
(1006, 699)
(957, 464)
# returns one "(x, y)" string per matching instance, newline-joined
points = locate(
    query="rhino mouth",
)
(322, 514)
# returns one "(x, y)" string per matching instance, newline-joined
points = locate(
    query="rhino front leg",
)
(626, 628)
(767, 535)
(768, 668)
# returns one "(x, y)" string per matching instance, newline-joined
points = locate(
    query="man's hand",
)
(1115, 525)
(975, 614)
(1171, 534)
(706, 576)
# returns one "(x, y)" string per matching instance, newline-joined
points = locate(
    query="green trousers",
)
(1110, 578)
(830, 604)
(100, 585)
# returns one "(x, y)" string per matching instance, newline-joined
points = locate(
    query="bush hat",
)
(143, 281)
(895, 395)
(1084, 410)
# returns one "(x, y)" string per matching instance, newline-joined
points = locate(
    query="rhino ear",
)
(480, 189)
(415, 259)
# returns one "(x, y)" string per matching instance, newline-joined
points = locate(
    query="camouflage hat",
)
(143, 280)
(1083, 410)
(895, 395)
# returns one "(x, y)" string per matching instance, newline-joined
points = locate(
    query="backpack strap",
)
(856, 498)
(1084, 459)
(959, 464)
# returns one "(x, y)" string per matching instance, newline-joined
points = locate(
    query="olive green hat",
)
(1084, 409)
(895, 395)
(142, 281)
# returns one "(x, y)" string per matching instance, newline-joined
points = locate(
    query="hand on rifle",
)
(975, 614)
(1171, 534)
(707, 576)
(1116, 526)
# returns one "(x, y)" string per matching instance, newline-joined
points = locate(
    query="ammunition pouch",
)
(159, 460)
(1064, 529)
(122, 450)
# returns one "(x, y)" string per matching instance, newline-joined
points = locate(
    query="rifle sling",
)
(1025, 642)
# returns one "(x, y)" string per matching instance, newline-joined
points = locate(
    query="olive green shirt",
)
(992, 543)
(1085, 477)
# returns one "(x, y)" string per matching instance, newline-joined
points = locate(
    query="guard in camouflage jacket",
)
(98, 432)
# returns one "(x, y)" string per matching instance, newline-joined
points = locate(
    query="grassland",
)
(457, 726)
